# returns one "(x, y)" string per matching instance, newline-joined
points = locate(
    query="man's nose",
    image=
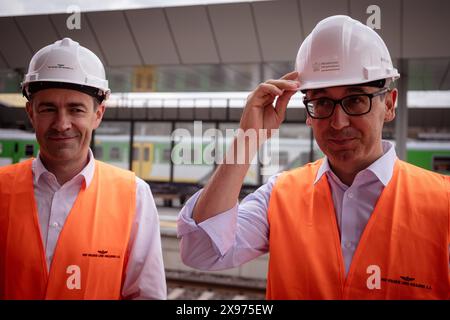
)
(62, 121)
(339, 119)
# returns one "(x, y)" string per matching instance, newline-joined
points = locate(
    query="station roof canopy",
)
(246, 32)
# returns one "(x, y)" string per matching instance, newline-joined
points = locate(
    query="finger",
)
(268, 88)
(282, 103)
(293, 75)
(288, 78)
(284, 84)
(264, 94)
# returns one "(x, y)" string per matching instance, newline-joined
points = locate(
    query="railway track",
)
(184, 285)
(198, 285)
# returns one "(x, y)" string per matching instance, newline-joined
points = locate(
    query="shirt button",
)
(55, 224)
(348, 244)
(350, 195)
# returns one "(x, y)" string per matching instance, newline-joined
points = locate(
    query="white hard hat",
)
(66, 64)
(343, 51)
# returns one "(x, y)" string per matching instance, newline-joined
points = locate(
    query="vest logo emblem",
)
(73, 281)
(100, 254)
(374, 279)
(407, 281)
(407, 278)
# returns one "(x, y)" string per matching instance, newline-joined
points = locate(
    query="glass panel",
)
(224, 77)
(152, 142)
(9, 81)
(136, 153)
(29, 150)
(113, 140)
(146, 154)
(166, 154)
(114, 153)
(291, 149)
(192, 153)
(98, 152)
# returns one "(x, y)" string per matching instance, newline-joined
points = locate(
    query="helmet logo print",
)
(328, 66)
(60, 66)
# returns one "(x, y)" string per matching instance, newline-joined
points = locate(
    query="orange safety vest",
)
(402, 253)
(90, 256)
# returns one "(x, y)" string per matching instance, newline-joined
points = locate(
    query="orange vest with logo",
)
(90, 256)
(403, 252)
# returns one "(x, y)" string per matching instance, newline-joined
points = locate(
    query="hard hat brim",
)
(36, 86)
(345, 82)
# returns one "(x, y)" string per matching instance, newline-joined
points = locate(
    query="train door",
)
(142, 160)
(136, 161)
(147, 160)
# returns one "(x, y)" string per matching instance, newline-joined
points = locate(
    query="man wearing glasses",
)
(357, 224)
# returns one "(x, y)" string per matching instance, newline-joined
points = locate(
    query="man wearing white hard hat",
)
(72, 227)
(356, 224)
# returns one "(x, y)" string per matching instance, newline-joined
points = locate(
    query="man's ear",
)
(30, 112)
(390, 103)
(308, 121)
(99, 112)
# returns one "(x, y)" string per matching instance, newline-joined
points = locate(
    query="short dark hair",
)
(96, 103)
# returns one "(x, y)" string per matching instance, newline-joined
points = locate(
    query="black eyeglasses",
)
(353, 105)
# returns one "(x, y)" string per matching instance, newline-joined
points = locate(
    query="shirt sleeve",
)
(145, 276)
(230, 238)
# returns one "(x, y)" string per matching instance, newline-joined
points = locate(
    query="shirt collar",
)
(324, 167)
(87, 173)
(382, 168)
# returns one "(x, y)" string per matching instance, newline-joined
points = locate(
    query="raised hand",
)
(260, 111)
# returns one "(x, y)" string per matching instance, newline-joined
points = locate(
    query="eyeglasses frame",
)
(339, 101)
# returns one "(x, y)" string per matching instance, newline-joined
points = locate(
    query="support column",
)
(401, 117)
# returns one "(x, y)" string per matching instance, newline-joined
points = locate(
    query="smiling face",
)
(63, 120)
(352, 143)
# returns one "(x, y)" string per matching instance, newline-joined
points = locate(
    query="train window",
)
(441, 164)
(136, 153)
(114, 153)
(98, 152)
(166, 155)
(29, 150)
(146, 154)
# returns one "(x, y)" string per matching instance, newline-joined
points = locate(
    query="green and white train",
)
(151, 156)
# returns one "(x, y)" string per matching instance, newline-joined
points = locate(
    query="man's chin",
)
(342, 155)
(62, 154)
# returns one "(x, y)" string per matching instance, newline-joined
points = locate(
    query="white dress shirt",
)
(241, 233)
(144, 277)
